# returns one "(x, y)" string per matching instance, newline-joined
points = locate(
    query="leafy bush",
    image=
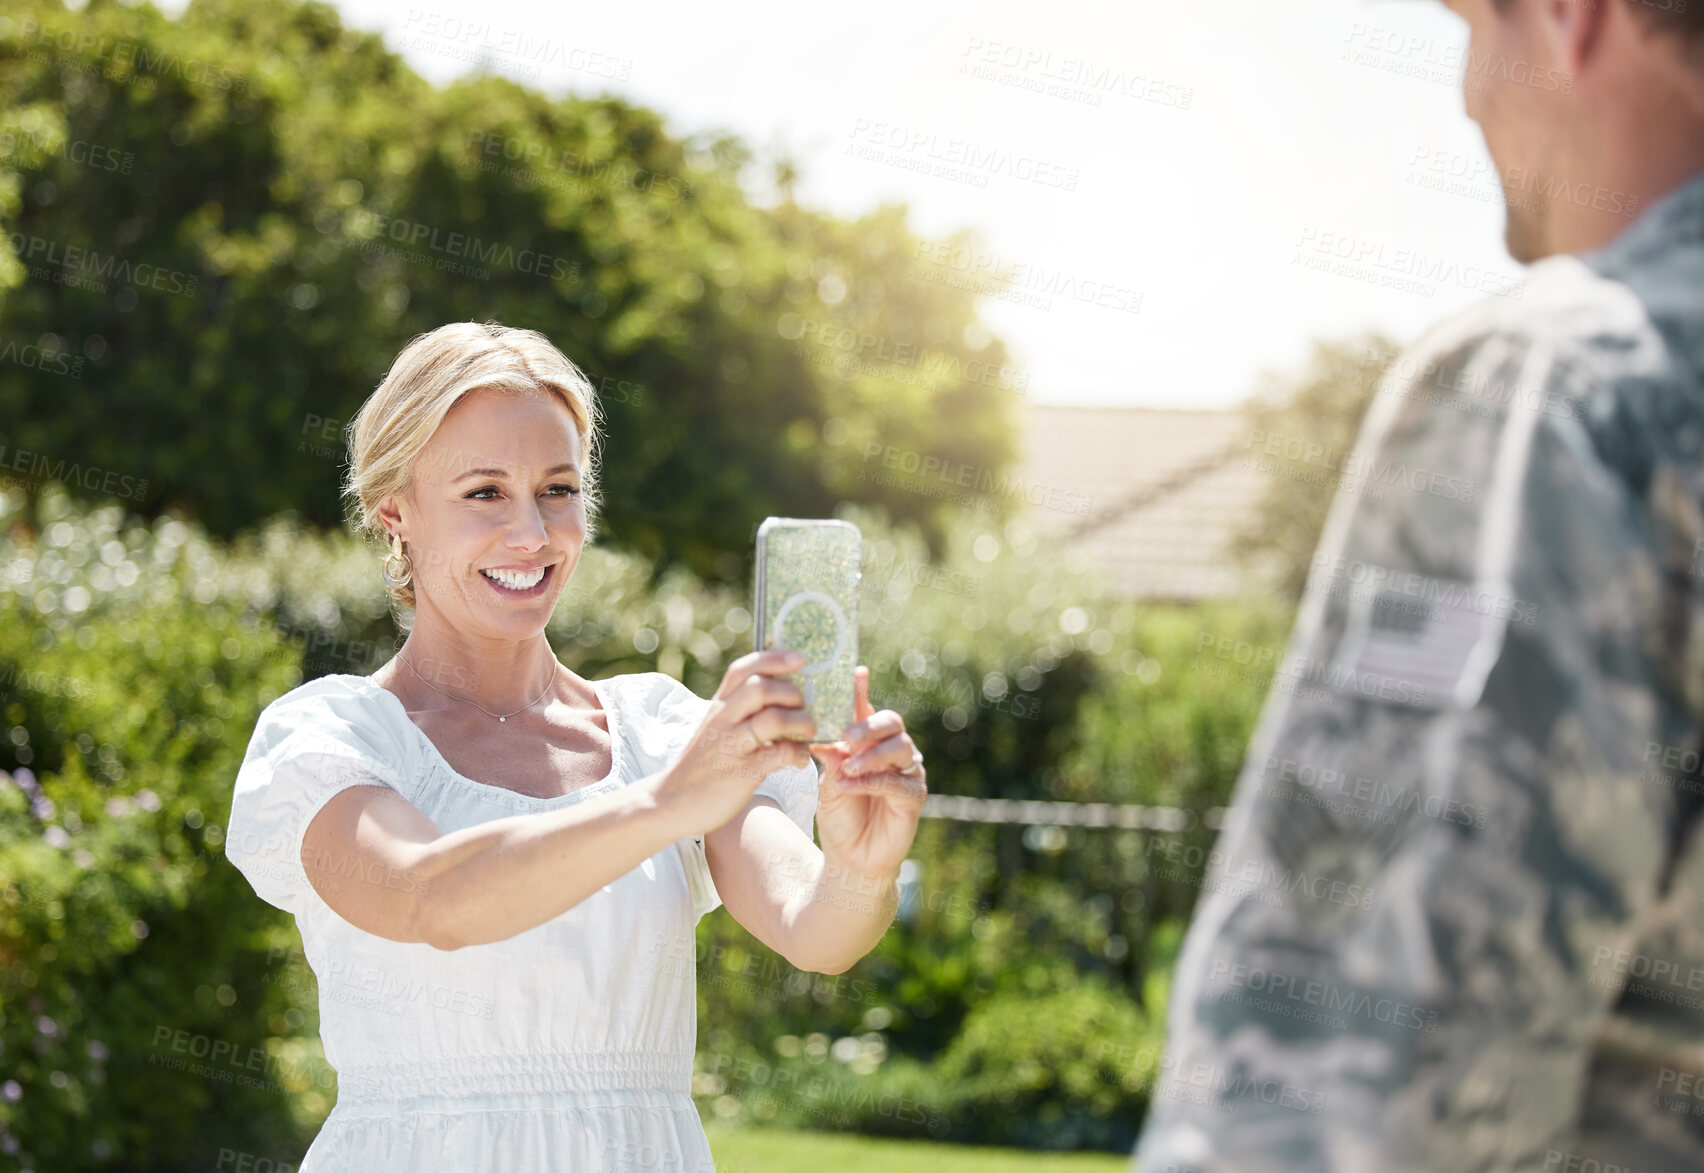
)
(1061, 1069)
(133, 990)
(1043, 1071)
(134, 661)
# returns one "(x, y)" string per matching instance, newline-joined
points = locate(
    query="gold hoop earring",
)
(397, 579)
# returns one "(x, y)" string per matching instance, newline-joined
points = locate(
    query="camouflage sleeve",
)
(1441, 815)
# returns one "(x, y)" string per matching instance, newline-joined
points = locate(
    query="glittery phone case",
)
(807, 598)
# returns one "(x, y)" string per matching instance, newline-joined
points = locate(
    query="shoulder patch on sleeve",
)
(1425, 643)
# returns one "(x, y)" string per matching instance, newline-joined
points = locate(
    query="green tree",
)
(277, 204)
(1302, 430)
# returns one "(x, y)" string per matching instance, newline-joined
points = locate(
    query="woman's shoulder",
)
(337, 711)
(654, 694)
(339, 691)
(657, 712)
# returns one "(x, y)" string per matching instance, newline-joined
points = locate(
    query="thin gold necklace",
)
(554, 665)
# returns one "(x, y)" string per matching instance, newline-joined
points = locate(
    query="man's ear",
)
(1573, 30)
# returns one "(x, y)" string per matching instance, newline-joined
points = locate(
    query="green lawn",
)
(766, 1150)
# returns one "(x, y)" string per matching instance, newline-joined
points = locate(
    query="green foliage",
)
(265, 206)
(127, 947)
(287, 200)
(1065, 1068)
(1170, 733)
(1037, 688)
(134, 661)
(1310, 419)
(1051, 1070)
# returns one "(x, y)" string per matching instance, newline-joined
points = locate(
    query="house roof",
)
(1166, 492)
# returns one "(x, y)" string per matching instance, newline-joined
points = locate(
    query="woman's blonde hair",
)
(434, 372)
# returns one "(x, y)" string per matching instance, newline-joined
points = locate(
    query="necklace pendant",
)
(502, 718)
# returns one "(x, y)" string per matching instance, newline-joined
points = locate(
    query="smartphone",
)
(806, 598)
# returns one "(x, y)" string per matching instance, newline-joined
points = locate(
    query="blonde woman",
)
(496, 865)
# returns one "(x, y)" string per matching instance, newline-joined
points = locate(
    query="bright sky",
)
(1170, 157)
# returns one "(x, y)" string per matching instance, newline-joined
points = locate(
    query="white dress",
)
(565, 1048)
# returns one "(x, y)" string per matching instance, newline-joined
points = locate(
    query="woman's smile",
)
(504, 577)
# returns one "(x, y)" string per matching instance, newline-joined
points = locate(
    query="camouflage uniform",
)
(1456, 916)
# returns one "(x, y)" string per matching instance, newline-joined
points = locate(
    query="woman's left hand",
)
(867, 808)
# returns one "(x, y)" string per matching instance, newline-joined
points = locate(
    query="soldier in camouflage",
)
(1456, 915)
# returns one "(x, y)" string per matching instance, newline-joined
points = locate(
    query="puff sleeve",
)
(793, 788)
(309, 745)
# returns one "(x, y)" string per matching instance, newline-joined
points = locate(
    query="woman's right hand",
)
(736, 747)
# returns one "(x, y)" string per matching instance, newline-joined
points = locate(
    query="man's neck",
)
(1654, 146)
(1611, 210)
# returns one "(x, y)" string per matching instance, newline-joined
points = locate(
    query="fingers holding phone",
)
(757, 724)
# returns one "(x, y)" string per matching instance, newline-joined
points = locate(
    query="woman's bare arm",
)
(384, 867)
(824, 908)
(822, 917)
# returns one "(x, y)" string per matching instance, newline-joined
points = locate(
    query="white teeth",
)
(515, 580)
